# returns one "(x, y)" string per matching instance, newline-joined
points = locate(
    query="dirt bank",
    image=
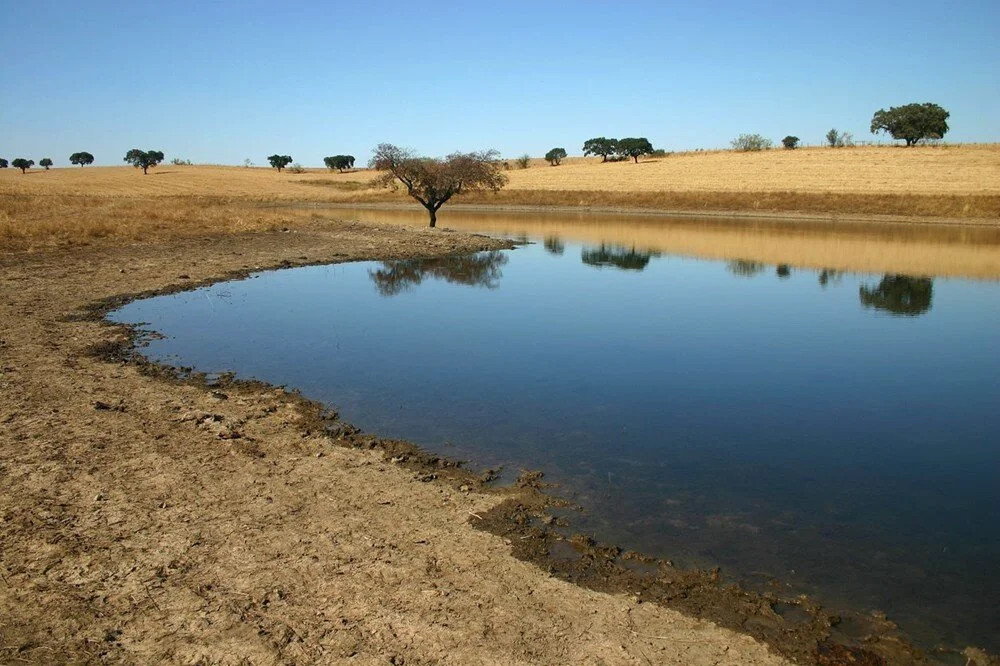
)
(145, 519)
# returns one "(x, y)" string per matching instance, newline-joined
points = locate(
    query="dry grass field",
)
(69, 205)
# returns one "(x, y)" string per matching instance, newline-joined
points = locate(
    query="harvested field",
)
(77, 204)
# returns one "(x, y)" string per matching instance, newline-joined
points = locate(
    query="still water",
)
(834, 429)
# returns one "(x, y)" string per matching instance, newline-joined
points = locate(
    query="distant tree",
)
(634, 147)
(81, 158)
(3, 163)
(555, 156)
(279, 162)
(339, 162)
(433, 182)
(783, 271)
(45, 162)
(790, 142)
(523, 161)
(750, 143)
(143, 159)
(833, 138)
(912, 122)
(600, 146)
(899, 295)
(22, 164)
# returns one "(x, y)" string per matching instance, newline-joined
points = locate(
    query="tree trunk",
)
(636, 158)
(24, 170)
(145, 169)
(433, 213)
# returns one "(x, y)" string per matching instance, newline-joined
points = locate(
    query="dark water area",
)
(835, 431)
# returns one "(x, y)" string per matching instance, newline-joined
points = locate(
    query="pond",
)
(832, 427)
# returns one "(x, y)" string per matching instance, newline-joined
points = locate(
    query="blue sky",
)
(219, 82)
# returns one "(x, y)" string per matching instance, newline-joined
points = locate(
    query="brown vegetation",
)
(79, 205)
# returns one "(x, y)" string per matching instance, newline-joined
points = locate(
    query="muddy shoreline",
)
(518, 514)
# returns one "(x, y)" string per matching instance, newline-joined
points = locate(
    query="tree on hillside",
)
(750, 143)
(555, 156)
(523, 162)
(279, 162)
(635, 147)
(790, 142)
(3, 163)
(45, 162)
(433, 181)
(339, 162)
(22, 164)
(143, 159)
(600, 146)
(911, 122)
(81, 158)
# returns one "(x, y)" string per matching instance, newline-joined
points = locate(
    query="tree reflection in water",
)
(554, 245)
(475, 270)
(899, 295)
(745, 267)
(619, 257)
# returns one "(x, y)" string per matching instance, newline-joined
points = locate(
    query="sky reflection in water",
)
(837, 431)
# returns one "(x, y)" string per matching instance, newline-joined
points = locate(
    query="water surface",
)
(835, 430)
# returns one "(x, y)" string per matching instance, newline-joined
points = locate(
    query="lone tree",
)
(339, 162)
(911, 122)
(750, 143)
(790, 142)
(45, 162)
(433, 181)
(635, 148)
(22, 164)
(555, 156)
(81, 158)
(143, 159)
(279, 162)
(600, 146)
(3, 163)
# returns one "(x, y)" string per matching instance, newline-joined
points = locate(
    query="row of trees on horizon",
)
(911, 123)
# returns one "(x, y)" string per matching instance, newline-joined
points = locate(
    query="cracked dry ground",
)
(133, 529)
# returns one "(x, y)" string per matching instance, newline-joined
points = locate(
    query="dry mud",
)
(151, 516)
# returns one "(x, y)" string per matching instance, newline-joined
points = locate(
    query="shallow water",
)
(834, 430)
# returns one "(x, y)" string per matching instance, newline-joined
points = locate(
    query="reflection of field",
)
(904, 249)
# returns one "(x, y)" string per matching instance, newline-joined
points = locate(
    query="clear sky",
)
(218, 82)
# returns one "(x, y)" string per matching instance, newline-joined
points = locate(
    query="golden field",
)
(72, 204)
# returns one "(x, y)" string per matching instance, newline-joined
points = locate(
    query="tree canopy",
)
(555, 156)
(600, 146)
(911, 122)
(3, 163)
(81, 158)
(45, 162)
(143, 159)
(433, 181)
(339, 162)
(750, 142)
(635, 147)
(279, 162)
(790, 142)
(22, 164)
